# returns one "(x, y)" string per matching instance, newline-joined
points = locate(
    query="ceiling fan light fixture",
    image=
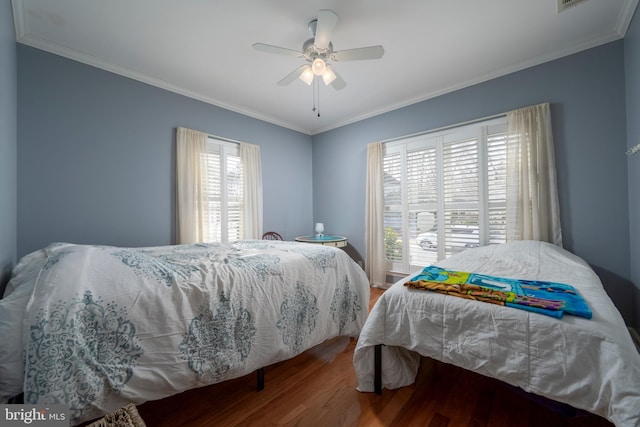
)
(317, 52)
(318, 66)
(328, 76)
(307, 75)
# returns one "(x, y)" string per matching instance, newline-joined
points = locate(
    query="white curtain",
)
(191, 187)
(374, 218)
(533, 211)
(252, 187)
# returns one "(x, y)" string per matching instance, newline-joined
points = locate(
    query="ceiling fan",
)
(318, 50)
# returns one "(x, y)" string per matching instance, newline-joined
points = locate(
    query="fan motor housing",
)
(311, 52)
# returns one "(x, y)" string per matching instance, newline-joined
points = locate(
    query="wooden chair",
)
(271, 235)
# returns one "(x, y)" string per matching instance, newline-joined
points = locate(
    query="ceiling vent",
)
(566, 4)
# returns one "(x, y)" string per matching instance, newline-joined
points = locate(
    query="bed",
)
(590, 364)
(97, 327)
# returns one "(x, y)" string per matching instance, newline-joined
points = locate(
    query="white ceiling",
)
(203, 48)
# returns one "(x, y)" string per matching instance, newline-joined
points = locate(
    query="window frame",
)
(480, 131)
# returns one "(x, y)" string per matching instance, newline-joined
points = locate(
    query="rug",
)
(123, 417)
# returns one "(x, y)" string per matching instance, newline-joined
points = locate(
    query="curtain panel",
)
(192, 204)
(533, 209)
(252, 190)
(375, 260)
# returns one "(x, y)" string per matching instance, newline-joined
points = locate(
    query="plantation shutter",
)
(393, 210)
(422, 198)
(497, 186)
(215, 192)
(225, 191)
(444, 192)
(461, 195)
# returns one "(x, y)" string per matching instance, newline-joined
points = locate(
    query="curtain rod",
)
(220, 138)
(426, 132)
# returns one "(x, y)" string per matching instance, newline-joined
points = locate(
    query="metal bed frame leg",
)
(17, 399)
(377, 369)
(260, 377)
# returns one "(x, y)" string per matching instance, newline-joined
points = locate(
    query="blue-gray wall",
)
(632, 74)
(96, 157)
(587, 96)
(8, 143)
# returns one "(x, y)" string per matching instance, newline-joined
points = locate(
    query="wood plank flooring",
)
(318, 388)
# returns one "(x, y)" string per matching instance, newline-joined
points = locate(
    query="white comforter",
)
(589, 364)
(104, 326)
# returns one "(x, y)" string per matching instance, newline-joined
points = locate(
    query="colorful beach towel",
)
(550, 298)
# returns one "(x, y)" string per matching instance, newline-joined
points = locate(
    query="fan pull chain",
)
(313, 89)
(317, 88)
(316, 97)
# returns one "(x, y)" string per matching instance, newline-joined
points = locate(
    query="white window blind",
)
(224, 171)
(444, 192)
(497, 186)
(393, 207)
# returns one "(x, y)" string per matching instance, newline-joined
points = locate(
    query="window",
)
(218, 189)
(443, 192)
(224, 186)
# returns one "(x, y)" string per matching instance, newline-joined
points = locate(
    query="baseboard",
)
(635, 337)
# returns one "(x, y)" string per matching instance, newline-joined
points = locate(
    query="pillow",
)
(26, 271)
(12, 311)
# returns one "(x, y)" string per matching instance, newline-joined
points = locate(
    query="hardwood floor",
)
(318, 388)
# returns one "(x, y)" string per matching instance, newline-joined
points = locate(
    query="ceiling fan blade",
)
(278, 50)
(371, 52)
(292, 75)
(327, 21)
(338, 83)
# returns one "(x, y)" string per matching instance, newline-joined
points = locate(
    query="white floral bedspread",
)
(105, 326)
